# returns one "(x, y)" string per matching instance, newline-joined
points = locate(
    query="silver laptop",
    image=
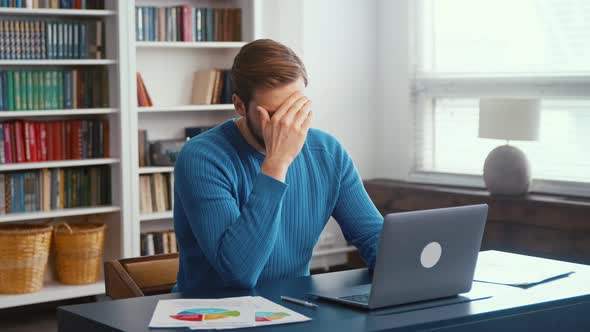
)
(423, 255)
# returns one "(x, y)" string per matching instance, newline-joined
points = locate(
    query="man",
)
(252, 195)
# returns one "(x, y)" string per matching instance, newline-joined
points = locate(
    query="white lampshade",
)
(509, 118)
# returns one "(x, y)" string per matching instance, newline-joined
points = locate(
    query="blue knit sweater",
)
(236, 226)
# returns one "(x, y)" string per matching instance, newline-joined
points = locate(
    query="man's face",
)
(271, 100)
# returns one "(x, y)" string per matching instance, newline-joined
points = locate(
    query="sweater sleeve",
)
(237, 241)
(359, 219)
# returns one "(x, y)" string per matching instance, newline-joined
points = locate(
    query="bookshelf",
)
(190, 44)
(115, 214)
(186, 108)
(57, 12)
(59, 62)
(152, 170)
(57, 164)
(57, 112)
(172, 110)
(52, 291)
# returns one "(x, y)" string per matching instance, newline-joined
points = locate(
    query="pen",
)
(294, 300)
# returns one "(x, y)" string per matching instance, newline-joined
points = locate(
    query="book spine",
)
(43, 141)
(2, 96)
(83, 41)
(19, 141)
(2, 154)
(7, 143)
(29, 90)
(187, 35)
(49, 40)
(60, 41)
(67, 89)
(37, 137)
(138, 24)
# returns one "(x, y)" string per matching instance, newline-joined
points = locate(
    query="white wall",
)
(337, 41)
(394, 118)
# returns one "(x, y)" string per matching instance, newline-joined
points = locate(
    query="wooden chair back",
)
(140, 276)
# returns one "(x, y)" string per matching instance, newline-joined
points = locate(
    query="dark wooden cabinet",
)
(542, 225)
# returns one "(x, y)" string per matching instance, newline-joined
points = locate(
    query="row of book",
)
(212, 86)
(55, 4)
(155, 243)
(23, 90)
(49, 39)
(188, 24)
(56, 188)
(36, 141)
(157, 192)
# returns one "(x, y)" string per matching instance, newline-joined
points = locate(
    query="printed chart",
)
(268, 316)
(201, 314)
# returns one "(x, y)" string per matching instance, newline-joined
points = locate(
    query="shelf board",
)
(332, 251)
(179, 44)
(58, 62)
(11, 217)
(186, 108)
(52, 291)
(54, 164)
(156, 169)
(56, 12)
(68, 112)
(156, 216)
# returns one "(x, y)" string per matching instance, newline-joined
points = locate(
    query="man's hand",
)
(284, 134)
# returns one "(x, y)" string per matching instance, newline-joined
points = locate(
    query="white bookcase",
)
(167, 69)
(118, 233)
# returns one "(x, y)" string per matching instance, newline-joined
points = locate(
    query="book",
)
(203, 86)
(143, 97)
(187, 24)
(47, 189)
(27, 89)
(159, 242)
(51, 38)
(142, 142)
(30, 141)
(155, 192)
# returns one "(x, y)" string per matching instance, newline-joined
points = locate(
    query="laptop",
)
(423, 255)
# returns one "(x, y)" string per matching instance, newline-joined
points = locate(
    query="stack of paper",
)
(503, 268)
(226, 313)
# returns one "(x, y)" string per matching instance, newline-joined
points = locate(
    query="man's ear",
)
(238, 105)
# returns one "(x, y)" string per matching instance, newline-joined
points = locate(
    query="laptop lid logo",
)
(431, 254)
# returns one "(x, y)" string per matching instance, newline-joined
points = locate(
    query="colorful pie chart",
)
(266, 316)
(201, 314)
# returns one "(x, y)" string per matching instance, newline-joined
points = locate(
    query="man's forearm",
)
(274, 169)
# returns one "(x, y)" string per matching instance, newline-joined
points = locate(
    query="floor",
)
(35, 318)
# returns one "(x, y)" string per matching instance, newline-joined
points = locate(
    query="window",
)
(467, 49)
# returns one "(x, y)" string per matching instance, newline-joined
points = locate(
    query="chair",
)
(140, 276)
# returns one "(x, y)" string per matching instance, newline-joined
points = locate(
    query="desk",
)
(562, 305)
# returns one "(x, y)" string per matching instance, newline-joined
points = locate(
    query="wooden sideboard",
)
(543, 225)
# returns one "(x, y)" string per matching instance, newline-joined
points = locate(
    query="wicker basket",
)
(24, 250)
(78, 252)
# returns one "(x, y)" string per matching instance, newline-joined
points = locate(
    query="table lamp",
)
(507, 170)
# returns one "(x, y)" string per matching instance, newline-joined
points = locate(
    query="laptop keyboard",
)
(360, 298)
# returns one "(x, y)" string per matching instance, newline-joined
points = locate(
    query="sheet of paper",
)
(204, 313)
(516, 270)
(270, 313)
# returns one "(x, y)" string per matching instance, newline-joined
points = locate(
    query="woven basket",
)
(24, 250)
(78, 252)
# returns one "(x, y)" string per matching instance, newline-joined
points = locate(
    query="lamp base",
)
(507, 171)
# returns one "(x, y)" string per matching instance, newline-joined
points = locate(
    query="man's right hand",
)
(284, 134)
